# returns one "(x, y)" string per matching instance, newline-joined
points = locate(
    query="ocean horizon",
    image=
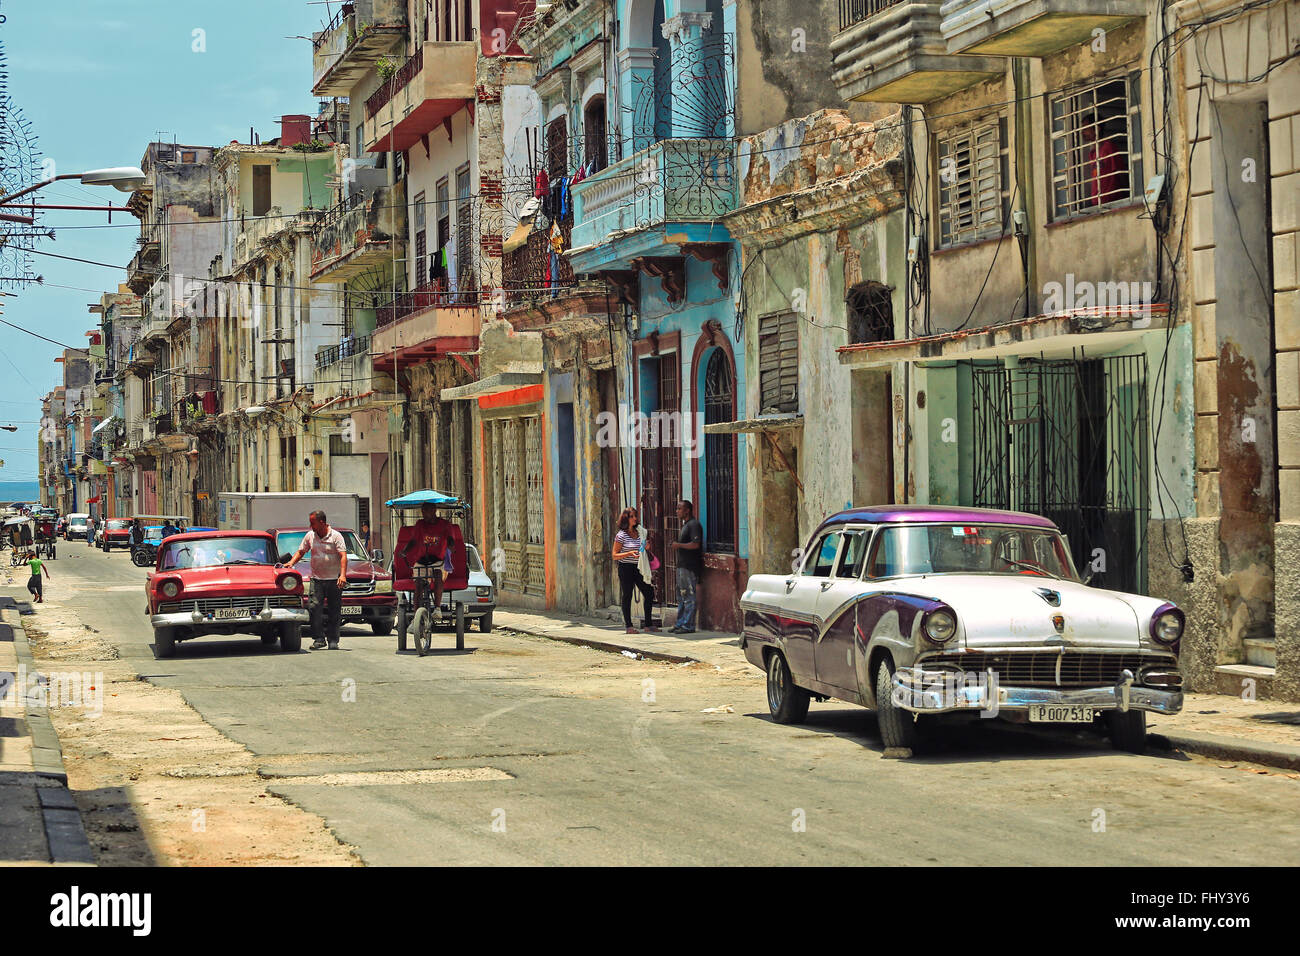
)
(20, 491)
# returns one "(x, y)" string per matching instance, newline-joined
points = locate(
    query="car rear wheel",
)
(485, 623)
(898, 727)
(402, 625)
(291, 637)
(1128, 730)
(164, 639)
(788, 703)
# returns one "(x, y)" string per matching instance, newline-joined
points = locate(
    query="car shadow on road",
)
(438, 652)
(967, 741)
(236, 648)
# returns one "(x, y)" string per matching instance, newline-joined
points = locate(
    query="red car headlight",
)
(290, 582)
(171, 588)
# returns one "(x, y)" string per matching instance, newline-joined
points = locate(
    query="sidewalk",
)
(1227, 728)
(39, 820)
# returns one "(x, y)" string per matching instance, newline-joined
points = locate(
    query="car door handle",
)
(789, 585)
(826, 584)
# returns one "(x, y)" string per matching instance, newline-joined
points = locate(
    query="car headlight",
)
(483, 592)
(171, 589)
(939, 626)
(290, 582)
(383, 587)
(1167, 626)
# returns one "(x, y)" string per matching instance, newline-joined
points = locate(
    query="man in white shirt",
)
(329, 576)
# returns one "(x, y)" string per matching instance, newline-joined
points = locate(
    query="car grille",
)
(359, 587)
(1038, 668)
(208, 605)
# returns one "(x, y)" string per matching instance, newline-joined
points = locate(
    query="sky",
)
(99, 80)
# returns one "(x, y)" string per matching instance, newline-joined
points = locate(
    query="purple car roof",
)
(912, 514)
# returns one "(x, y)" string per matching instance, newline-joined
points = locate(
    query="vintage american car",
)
(223, 582)
(918, 611)
(368, 598)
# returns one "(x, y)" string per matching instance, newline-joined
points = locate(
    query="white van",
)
(76, 529)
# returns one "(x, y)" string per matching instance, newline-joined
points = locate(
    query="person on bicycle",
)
(431, 544)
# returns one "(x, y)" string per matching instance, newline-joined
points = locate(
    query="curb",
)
(1285, 756)
(65, 833)
(603, 645)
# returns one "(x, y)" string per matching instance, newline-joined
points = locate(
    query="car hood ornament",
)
(1051, 597)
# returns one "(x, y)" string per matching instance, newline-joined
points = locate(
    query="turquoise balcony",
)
(653, 202)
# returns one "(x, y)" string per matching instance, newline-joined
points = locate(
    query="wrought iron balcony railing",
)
(431, 295)
(856, 11)
(354, 345)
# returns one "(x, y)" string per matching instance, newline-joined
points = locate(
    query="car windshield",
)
(117, 524)
(215, 552)
(289, 541)
(980, 549)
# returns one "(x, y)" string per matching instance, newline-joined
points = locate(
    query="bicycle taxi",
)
(418, 559)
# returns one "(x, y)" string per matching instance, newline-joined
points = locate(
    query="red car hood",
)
(233, 576)
(357, 570)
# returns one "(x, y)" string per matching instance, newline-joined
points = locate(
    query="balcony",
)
(351, 43)
(261, 231)
(431, 86)
(197, 410)
(424, 324)
(689, 183)
(1030, 27)
(358, 234)
(159, 311)
(893, 51)
(346, 378)
(527, 276)
(143, 268)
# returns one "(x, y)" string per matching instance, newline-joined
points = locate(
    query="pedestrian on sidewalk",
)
(628, 545)
(690, 565)
(329, 575)
(137, 533)
(35, 582)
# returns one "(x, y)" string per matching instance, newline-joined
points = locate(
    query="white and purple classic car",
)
(925, 610)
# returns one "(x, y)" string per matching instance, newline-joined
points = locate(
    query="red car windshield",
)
(215, 553)
(118, 524)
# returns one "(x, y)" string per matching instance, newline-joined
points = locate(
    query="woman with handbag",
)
(629, 546)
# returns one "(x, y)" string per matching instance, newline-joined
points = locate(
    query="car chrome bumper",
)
(921, 693)
(271, 615)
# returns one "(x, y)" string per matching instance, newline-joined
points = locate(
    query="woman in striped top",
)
(627, 552)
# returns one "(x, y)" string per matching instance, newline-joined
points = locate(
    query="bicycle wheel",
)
(421, 630)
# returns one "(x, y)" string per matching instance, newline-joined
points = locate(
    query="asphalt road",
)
(524, 751)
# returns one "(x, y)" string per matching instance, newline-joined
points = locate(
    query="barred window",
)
(972, 184)
(1096, 146)
(778, 362)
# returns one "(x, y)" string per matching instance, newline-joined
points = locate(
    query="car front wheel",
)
(788, 703)
(898, 727)
(1128, 730)
(381, 628)
(164, 639)
(291, 638)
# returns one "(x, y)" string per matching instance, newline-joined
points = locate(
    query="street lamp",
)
(125, 178)
(9, 428)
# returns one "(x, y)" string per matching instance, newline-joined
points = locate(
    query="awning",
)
(106, 422)
(1056, 334)
(492, 385)
(428, 496)
(763, 423)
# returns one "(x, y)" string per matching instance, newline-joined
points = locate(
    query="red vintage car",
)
(368, 599)
(117, 534)
(223, 582)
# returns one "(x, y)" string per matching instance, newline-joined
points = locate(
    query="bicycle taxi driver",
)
(431, 545)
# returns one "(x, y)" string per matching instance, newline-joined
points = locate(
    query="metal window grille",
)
(778, 362)
(870, 309)
(972, 181)
(720, 454)
(1096, 146)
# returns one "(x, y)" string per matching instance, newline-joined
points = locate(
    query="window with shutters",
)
(972, 181)
(778, 362)
(466, 274)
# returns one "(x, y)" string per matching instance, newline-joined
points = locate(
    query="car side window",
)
(821, 561)
(852, 554)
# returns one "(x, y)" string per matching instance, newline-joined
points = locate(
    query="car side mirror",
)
(377, 555)
(284, 558)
